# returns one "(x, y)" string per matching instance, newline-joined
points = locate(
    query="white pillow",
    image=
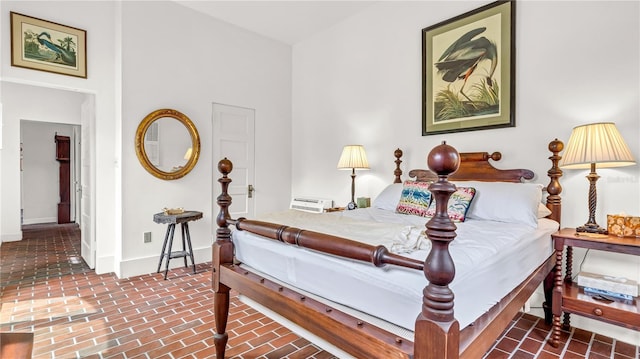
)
(389, 197)
(543, 211)
(505, 201)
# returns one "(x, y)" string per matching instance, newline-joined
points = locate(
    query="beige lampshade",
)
(353, 156)
(599, 143)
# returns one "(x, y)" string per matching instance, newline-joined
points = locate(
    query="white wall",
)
(174, 57)
(360, 82)
(32, 103)
(144, 56)
(98, 18)
(40, 170)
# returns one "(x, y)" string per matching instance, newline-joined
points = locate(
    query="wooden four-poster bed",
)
(436, 332)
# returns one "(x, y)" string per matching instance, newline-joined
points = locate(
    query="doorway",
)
(234, 138)
(45, 197)
(76, 112)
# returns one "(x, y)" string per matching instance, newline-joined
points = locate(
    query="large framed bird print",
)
(48, 46)
(468, 71)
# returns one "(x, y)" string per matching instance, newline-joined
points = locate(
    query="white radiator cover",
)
(309, 204)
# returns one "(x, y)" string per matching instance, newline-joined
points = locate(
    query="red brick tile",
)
(497, 354)
(571, 355)
(261, 339)
(526, 322)
(602, 338)
(288, 338)
(601, 348)
(577, 347)
(281, 352)
(522, 355)
(101, 316)
(531, 346)
(234, 351)
(257, 352)
(516, 334)
(304, 352)
(243, 338)
(207, 352)
(547, 355)
(507, 344)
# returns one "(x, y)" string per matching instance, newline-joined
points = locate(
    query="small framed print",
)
(47, 46)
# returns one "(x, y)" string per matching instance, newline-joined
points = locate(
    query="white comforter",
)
(366, 226)
(491, 258)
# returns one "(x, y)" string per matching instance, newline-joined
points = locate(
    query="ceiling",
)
(286, 21)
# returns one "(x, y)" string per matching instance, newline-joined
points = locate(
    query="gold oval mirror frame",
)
(193, 152)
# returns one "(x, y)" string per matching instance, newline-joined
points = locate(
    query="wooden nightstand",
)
(334, 209)
(569, 298)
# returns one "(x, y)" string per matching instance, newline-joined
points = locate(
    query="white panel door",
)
(233, 138)
(85, 188)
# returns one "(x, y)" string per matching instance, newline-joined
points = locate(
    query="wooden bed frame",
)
(437, 333)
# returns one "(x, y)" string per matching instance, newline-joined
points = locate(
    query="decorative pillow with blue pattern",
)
(415, 198)
(459, 203)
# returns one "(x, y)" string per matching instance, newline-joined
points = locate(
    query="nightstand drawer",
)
(623, 313)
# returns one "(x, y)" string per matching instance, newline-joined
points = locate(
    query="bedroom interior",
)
(361, 75)
(241, 259)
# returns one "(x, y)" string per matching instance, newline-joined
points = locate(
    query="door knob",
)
(250, 190)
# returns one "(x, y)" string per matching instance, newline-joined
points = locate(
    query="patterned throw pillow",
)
(459, 203)
(415, 198)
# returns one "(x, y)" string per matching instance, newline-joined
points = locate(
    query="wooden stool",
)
(187, 251)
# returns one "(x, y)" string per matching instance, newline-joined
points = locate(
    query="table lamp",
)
(353, 156)
(595, 144)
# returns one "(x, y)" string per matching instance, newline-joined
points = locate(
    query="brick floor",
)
(74, 313)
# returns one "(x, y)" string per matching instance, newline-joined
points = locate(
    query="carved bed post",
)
(222, 253)
(398, 172)
(554, 203)
(436, 330)
(554, 188)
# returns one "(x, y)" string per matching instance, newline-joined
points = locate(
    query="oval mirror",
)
(167, 144)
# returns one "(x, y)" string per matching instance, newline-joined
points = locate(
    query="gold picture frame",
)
(47, 46)
(468, 71)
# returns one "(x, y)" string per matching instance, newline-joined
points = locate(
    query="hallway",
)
(47, 289)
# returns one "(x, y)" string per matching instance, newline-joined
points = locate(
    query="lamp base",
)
(592, 228)
(352, 205)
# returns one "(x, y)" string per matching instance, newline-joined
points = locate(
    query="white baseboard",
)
(13, 237)
(145, 265)
(105, 265)
(28, 221)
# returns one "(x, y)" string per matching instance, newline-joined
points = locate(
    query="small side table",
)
(187, 251)
(568, 297)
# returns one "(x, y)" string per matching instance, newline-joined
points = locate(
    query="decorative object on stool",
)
(353, 157)
(596, 143)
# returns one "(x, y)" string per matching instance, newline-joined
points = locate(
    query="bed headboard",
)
(475, 166)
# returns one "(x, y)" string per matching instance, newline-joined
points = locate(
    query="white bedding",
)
(491, 258)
